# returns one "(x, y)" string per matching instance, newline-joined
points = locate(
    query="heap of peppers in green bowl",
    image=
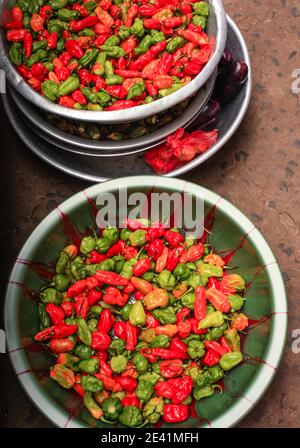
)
(108, 55)
(142, 321)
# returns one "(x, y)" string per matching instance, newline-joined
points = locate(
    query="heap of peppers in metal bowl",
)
(108, 55)
(143, 322)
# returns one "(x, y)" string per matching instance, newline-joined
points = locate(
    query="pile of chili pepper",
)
(111, 54)
(142, 321)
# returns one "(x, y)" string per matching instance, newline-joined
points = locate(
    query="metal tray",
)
(73, 143)
(96, 170)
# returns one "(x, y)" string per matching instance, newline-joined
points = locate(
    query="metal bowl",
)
(53, 135)
(216, 26)
(97, 170)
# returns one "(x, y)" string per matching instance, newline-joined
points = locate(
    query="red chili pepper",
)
(120, 330)
(115, 11)
(122, 104)
(151, 322)
(56, 313)
(16, 35)
(129, 288)
(17, 13)
(152, 24)
(73, 47)
(141, 61)
(100, 341)
(78, 96)
(154, 249)
(147, 10)
(214, 345)
(39, 71)
(52, 40)
(129, 252)
(27, 44)
(79, 389)
(185, 8)
(113, 296)
(108, 383)
(166, 353)
(162, 260)
(174, 257)
(24, 71)
(76, 288)
(129, 384)
(64, 330)
(173, 22)
(44, 334)
(194, 326)
(36, 23)
(14, 25)
(86, 22)
(173, 238)
(116, 248)
(81, 9)
(171, 368)
(225, 345)
(106, 321)
(211, 358)
(218, 300)
(183, 314)
(131, 401)
(178, 345)
(175, 413)
(193, 253)
(66, 100)
(141, 267)
(193, 37)
(61, 345)
(67, 307)
(200, 303)
(101, 29)
(129, 44)
(105, 368)
(45, 12)
(184, 328)
(147, 353)
(85, 76)
(179, 387)
(63, 74)
(111, 278)
(197, 28)
(100, 40)
(158, 48)
(131, 14)
(131, 336)
(96, 258)
(102, 356)
(121, 63)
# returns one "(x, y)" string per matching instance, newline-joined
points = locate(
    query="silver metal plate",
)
(98, 170)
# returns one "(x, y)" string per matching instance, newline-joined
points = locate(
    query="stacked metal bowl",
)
(78, 134)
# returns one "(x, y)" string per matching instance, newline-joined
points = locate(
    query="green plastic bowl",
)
(231, 232)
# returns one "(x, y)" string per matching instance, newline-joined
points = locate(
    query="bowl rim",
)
(127, 114)
(276, 344)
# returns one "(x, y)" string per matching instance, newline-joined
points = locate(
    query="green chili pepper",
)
(87, 244)
(181, 271)
(39, 45)
(87, 32)
(209, 376)
(194, 280)
(96, 309)
(70, 361)
(215, 333)
(137, 238)
(66, 14)
(148, 276)
(173, 88)
(92, 405)
(33, 7)
(111, 233)
(120, 395)
(144, 391)
(131, 416)
(236, 302)
(92, 324)
(134, 91)
(139, 345)
(60, 44)
(229, 360)
(199, 20)
(50, 90)
(89, 365)
(112, 408)
(233, 338)
(160, 341)
(51, 295)
(148, 99)
(209, 270)
(191, 337)
(83, 331)
(102, 244)
(94, 107)
(157, 36)
(166, 280)
(49, 66)
(36, 57)
(83, 351)
(127, 268)
(23, 4)
(214, 319)
(137, 314)
(144, 45)
(106, 265)
(203, 392)
(113, 80)
(156, 368)
(90, 6)
(100, 61)
(68, 86)
(113, 51)
(112, 41)
(174, 44)
(88, 58)
(91, 384)
(117, 347)
(193, 372)
(196, 349)
(137, 28)
(118, 363)
(43, 316)
(188, 300)
(15, 53)
(152, 377)
(201, 8)
(165, 316)
(141, 363)
(57, 26)
(124, 32)
(63, 376)
(126, 311)
(153, 410)
(58, 4)
(61, 282)
(124, 235)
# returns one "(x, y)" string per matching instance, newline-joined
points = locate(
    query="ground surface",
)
(258, 171)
